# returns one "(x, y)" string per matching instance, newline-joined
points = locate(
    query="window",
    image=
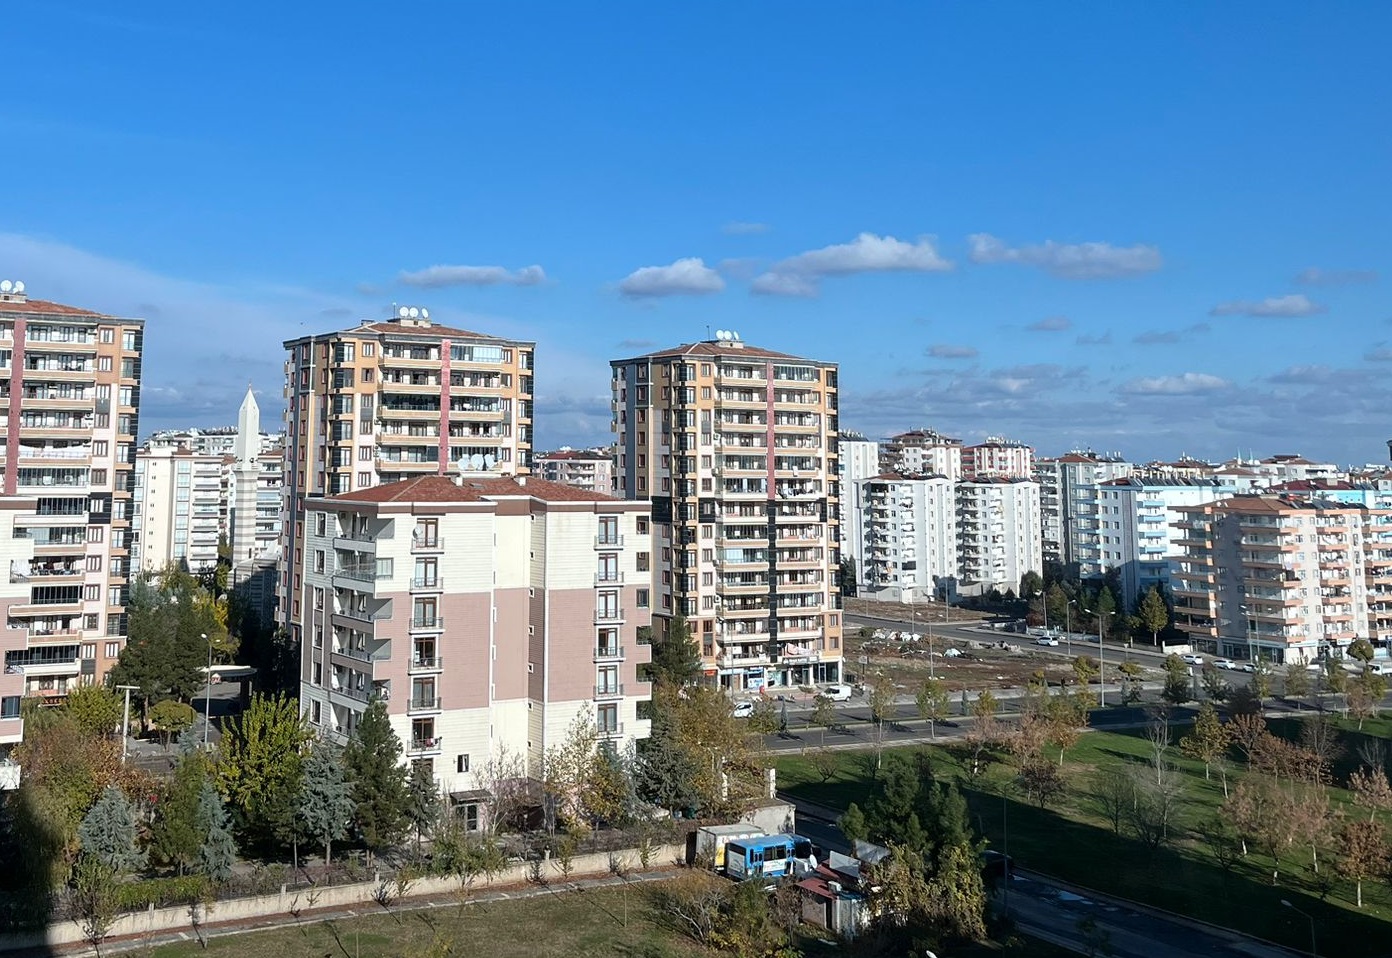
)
(369, 349)
(318, 673)
(641, 598)
(318, 560)
(91, 593)
(94, 563)
(609, 568)
(607, 605)
(364, 478)
(113, 650)
(364, 453)
(609, 531)
(461, 763)
(96, 533)
(108, 335)
(314, 713)
(644, 560)
(607, 719)
(320, 523)
(9, 707)
(607, 680)
(470, 814)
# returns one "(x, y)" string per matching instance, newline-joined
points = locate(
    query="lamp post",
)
(125, 719)
(932, 669)
(1101, 662)
(1314, 950)
(208, 695)
(1044, 605)
(1247, 624)
(1068, 625)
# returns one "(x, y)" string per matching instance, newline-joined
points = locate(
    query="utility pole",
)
(125, 718)
(208, 696)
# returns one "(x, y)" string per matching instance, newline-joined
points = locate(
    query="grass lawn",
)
(1071, 841)
(594, 923)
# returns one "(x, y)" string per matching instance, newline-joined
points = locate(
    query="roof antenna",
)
(707, 330)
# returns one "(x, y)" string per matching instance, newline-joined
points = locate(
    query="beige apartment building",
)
(1282, 579)
(70, 395)
(388, 401)
(591, 469)
(735, 447)
(177, 509)
(486, 612)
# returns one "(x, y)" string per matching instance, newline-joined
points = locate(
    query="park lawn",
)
(589, 923)
(1071, 841)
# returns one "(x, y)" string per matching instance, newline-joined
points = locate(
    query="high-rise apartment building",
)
(907, 535)
(735, 447)
(998, 457)
(387, 401)
(1066, 501)
(857, 459)
(591, 469)
(486, 613)
(1286, 580)
(71, 388)
(922, 452)
(177, 509)
(998, 541)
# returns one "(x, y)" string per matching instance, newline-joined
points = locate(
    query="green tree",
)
(96, 709)
(422, 801)
(260, 765)
(1365, 694)
(675, 658)
(1260, 683)
(1153, 614)
(1031, 583)
(1362, 650)
(378, 779)
(665, 771)
(107, 833)
(852, 824)
(1177, 689)
(1297, 680)
(985, 705)
(933, 703)
(1215, 686)
(1209, 740)
(95, 887)
(174, 835)
(324, 805)
(1334, 677)
(764, 720)
(823, 715)
(217, 851)
(171, 718)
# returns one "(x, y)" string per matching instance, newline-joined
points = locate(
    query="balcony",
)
(611, 541)
(426, 746)
(352, 698)
(428, 623)
(352, 577)
(423, 663)
(613, 579)
(355, 543)
(611, 731)
(427, 543)
(609, 615)
(423, 703)
(363, 615)
(611, 690)
(609, 653)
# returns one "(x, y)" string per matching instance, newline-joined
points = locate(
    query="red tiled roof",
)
(415, 489)
(44, 306)
(726, 351)
(585, 454)
(535, 488)
(431, 330)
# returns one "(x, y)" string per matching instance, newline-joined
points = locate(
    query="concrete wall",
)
(291, 900)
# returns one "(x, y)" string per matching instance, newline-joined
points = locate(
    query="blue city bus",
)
(768, 856)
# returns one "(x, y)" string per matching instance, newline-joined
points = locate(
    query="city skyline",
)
(1171, 240)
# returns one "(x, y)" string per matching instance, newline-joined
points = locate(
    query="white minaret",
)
(244, 474)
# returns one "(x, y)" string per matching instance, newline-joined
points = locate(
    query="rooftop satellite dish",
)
(476, 462)
(5, 286)
(19, 286)
(462, 464)
(414, 312)
(734, 335)
(488, 461)
(425, 313)
(403, 312)
(722, 334)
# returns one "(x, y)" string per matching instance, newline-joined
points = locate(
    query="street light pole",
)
(1068, 625)
(1101, 662)
(1044, 605)
(1314, 949)
(932, 669)
(208, 696)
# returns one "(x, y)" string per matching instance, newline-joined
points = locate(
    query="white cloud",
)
(801, 275)
(435, 277)
(1314, 276)
(1295, 304)
(948, 351)
(1051, 324)
(1068, 260)
(1378, 354)
(685, 276)
(737, 228)
(1184, 384)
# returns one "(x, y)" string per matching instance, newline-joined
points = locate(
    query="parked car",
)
(1046, 640)
(838, 693)
(1193, 658)
(1228, 664)
(1249, 667)
(743, 709)
(1378, 668)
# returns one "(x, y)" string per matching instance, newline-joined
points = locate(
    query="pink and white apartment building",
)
(486, 613)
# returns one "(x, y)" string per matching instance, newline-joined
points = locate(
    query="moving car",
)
(743, 709)
(1193, 658)
(1046, 640)
(838, 693)
(1228, 664)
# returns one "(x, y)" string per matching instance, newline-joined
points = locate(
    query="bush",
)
(160, 892)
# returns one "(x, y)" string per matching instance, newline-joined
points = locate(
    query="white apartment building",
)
(1133, 531)
(1286, 580)
(1066, 502)
(1296, 468)
(591, 469)
(907, 535)
(998, 457)
(998, 533)
(858, 460)
(178, 501)
(487, 613)
(218, 441)
(922, 452)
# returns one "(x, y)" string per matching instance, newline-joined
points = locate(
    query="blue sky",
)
(1155, 228)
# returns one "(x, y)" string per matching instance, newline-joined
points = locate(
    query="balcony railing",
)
(612, 690)
(427, 543)
(611, 731)
(612, 541)
(603, 652)
(609, 614)
(608, 578)
(427, 744)
(362, 655)
(426, 664)
(428, 622)
(423, 703)
(428, 583)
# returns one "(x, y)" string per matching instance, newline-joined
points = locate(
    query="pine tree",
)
(324, 805)
(218, 852)
(423, 800)
(377, 778)
(675, 660)
(174, 837)
(665, 771)
(107, 833)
